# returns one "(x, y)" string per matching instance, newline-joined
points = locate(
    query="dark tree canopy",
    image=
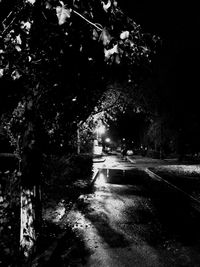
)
(60, 55)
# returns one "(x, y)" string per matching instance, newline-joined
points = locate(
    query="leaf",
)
(145, 49)
(1, 72)
(48, 5)
(26, 26)
(124, 35)
(31, 1)
(62, 13)
(106, 6)
(18, 39)
(18, 48)
(105, 37)
(15, 75)
(117, 59)
(111, 51)
(95, 35)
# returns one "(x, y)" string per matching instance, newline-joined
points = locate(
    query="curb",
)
(98, 160)
(94, 176)
(195, 203)
(131, 160)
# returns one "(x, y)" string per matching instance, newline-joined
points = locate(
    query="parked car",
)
(129, 152)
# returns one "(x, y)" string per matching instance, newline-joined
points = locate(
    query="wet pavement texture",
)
(131, 219)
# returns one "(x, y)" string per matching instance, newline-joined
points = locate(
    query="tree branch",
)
(107, 108)
(93, 24)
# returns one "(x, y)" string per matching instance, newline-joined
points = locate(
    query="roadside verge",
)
(44, 259)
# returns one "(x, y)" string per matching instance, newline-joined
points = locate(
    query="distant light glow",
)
(101, 129)
(107, 140)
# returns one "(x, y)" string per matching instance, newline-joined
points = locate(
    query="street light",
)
(100, 130)
(97, 149)
(107, 140)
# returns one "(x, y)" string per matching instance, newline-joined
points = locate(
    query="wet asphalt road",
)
(132, 220)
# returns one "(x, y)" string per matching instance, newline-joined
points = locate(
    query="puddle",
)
(118, 176)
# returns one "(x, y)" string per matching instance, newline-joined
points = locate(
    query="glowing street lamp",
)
(97, 149)
(100, 130)
(107, 140)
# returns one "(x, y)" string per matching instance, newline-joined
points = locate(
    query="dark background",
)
(176, 65)
(178, 25)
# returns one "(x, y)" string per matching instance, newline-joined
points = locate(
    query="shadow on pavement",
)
(100, 220)
(171, 214)
(123, 177)
(70, 251)
(111, 236)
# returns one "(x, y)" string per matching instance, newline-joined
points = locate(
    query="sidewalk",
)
(108, 162)
(102, 222)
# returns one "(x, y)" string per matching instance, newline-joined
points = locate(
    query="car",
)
(129, 152)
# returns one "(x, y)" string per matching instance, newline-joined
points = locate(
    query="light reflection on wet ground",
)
(122, 223)
(106, 225)
(118, 176)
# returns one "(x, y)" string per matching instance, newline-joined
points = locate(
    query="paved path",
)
(114, 162)
(118, 222)
(108, 228)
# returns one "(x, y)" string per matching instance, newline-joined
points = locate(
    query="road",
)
(131, 219)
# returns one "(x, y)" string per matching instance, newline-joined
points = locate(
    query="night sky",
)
(178, 25)
(176, 65)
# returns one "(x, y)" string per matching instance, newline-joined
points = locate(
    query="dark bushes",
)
(61, 174)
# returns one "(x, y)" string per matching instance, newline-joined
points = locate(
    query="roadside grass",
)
(65, 177)
(186, 171)
(186, 177)
(65, 180)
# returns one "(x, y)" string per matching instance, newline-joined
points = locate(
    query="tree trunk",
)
(78, 141)
(161, 141)
(30, 188)
(27, 229)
